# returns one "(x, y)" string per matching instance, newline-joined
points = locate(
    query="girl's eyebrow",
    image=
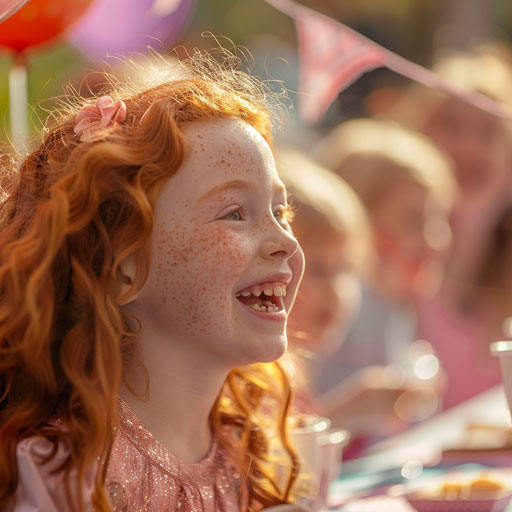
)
(242, 184)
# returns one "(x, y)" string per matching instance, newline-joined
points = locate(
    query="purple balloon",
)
(113, 27)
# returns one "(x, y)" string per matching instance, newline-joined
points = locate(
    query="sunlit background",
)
(415, 29)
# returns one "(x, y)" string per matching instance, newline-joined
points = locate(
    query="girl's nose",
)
(280, 244)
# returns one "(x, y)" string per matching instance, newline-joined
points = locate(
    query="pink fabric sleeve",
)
(38, 489)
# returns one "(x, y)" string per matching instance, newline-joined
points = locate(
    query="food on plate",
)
(483, 485)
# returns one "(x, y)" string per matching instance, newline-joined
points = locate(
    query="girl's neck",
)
(178, 402)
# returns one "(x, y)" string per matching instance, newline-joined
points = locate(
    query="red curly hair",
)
(71, 214)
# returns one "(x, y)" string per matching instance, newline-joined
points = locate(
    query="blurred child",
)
(332, 227)
(407, 187)
(331, 221)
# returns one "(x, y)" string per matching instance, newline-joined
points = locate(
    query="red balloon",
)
(40, 21)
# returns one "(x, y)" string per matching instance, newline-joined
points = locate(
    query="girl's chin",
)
(270, 350)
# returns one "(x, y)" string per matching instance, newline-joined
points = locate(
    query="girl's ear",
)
(126, 274)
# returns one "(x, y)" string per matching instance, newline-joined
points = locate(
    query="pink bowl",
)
(483, 505)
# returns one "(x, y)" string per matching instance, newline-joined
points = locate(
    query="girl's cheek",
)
(169, 255)
(197, 260)
(223, 250)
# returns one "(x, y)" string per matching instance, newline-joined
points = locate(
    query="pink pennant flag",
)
(332, 56)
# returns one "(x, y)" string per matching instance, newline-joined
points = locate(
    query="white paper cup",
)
(305, 440)
(332, 444)
(319, 449)
(503, 349)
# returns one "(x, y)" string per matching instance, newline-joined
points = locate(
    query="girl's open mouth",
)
(265, 297)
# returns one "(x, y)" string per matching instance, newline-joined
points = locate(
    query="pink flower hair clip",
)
(93, 121)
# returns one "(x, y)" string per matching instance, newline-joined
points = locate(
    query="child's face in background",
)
(219, 233)
(329, 295)
(412, 235)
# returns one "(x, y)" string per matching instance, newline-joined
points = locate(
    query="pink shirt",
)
(142, 476)
(463, 351)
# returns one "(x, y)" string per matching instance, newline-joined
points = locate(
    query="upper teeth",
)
(269, 289)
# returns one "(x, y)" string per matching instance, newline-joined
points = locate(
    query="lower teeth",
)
(271, 308)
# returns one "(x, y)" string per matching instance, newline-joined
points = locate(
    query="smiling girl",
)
(145, 260)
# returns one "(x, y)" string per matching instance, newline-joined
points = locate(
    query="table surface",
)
(421, 445)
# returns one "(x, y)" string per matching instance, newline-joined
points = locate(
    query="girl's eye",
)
(284, 214)
(234, 215)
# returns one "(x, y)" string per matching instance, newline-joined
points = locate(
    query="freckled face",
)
(218, 230)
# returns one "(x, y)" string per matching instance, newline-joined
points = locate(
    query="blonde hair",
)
(374, 154)
(322, 199)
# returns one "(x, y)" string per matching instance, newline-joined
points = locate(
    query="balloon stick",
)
(18, 101)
